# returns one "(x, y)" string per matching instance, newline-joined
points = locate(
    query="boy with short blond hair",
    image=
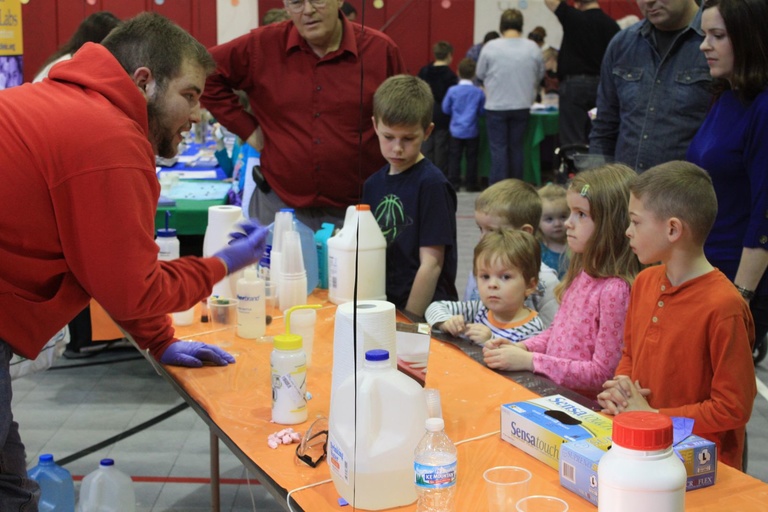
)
(512, 202)
(515, 204)
(689, 334)
(411, 199)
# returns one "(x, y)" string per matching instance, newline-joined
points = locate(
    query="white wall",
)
(235, 21)
(535, 12)
(232, 21)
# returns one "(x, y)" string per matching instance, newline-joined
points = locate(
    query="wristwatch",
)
(747, 294)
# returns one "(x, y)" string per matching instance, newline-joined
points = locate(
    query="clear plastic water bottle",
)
(435, 469)
(57, 492)
(107, 490)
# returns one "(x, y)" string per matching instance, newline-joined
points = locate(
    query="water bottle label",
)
(337, 459)
(435, 477)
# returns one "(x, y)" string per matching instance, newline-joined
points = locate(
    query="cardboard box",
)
(540, 426)
(578, 466)
(699, 456)
(579, 461)
(412, 345)
(412, 341)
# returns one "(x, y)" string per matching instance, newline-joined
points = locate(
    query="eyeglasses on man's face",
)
(298, 5)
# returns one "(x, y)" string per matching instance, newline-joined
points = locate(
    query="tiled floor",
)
(70, 410)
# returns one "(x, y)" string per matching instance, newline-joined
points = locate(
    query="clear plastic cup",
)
(506, 486)
(303, 323)
(541, 504)
(293, 260)
(270, 293)
(223, 320)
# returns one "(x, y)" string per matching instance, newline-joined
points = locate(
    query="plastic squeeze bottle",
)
(289, 375)
(251, 310)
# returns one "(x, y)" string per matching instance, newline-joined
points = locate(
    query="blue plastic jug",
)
(321, 240)
(57, 490)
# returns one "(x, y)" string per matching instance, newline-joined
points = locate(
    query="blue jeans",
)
(506, 137)
(17, 492)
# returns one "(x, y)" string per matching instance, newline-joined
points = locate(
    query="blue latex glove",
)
(244, 249)
(681, 429)
(193, 353)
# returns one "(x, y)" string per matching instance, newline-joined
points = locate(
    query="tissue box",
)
(540, 426)
(579, 461)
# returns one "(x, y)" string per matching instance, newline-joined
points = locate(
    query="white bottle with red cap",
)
(641, 472)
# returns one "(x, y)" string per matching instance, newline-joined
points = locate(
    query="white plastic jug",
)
(222, 220)
(373, 470)
(371, 259)
(107, 489)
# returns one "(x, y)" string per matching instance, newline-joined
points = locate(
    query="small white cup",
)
(184, 317)
(303, 323)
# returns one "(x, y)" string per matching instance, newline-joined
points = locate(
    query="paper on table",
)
(195, 175)
(199, 190)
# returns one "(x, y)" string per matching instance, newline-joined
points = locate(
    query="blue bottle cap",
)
(166, 233)
(377, 354)
(107, 462)
(46, 457)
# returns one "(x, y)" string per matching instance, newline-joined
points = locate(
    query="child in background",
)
(440, 77)
(411, 199)
(514, 204)
(689, 333)
(550, 83)
(554, 213)
(582, 347)
(465, 104)
(506, 268)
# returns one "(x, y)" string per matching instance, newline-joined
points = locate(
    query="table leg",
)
(215, 489)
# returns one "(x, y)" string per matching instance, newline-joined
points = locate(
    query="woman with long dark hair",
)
(732, 145)
(92, 29)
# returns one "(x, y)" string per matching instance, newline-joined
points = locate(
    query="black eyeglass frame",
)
(306, 459)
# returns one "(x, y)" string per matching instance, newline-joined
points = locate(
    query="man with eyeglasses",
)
(310, 82)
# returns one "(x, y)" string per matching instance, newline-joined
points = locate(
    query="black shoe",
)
(760, 350)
